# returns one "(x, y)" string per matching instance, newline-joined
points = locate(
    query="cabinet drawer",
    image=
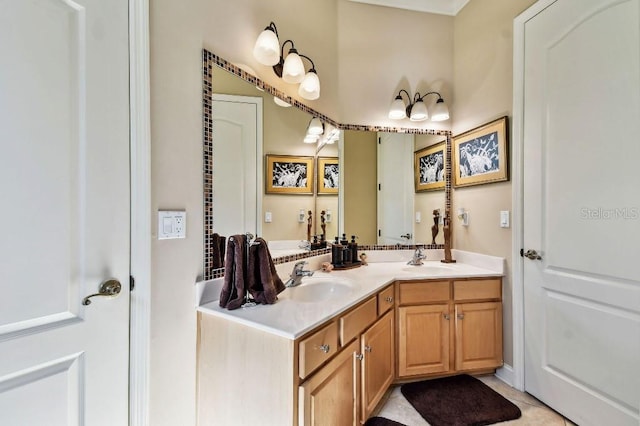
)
(385, 300)
(477, 289)
(317, 348)
(352, 323)
(424, 292)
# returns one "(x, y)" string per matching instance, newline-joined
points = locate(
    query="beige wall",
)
(363, 55)
(382, 50)
(482, 78)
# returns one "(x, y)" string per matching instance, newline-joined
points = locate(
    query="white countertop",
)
(291, 318)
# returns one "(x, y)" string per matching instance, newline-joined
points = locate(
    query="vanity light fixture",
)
(267, 51)
(280, 102)
(417, 110)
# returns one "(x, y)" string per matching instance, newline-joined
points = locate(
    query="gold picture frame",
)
(480, 155)
(328, 176)
(289, 174)
(429, 167)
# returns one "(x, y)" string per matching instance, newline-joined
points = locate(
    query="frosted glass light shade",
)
(398, 109)
(267, 48)
(280, 102)
(419, 111)
(311, 138)
(440, 111)
(310, 86)
(315, 126)
(293, 69)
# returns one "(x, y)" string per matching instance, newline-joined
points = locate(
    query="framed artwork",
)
(480, 155)
(328, 175)
(429, 168)
(288, 174)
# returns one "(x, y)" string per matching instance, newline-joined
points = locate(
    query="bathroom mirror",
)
(232, 75)
(363, 197)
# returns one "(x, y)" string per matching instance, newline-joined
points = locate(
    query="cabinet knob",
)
(446, 316)
(389, 299)
(325, 348)
(460, 316)
(367, 348)
(359, 357)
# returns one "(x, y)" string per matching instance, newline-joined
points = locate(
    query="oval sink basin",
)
(313, 290)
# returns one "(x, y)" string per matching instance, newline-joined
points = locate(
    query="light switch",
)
(172, 224)
(268, 217)
(504, 219)
(418, 217)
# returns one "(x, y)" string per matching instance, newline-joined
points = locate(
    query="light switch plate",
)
(268, 217)
(504, 219)
(172, 224)
(418, 217)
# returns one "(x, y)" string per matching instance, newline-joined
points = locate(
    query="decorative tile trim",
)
(210, 59)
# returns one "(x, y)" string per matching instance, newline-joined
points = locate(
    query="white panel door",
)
(582, 209)
(64, 191)
(237, 159)
(395, 194)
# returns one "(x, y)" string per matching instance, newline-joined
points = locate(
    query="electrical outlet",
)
(172, 224)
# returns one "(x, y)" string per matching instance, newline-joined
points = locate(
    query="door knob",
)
(531, 254)
(110, 287)
(407, 236)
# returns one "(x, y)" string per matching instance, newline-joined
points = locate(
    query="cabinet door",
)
(378, 363)
(331, 396)
(478, 330)
(423, 341)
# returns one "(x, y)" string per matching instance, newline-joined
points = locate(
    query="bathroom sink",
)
(314, 290)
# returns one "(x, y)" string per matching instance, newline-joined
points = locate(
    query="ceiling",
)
(442, 7)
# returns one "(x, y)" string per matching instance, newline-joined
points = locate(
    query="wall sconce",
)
(268, 51)
(417, 110)
(463, 216)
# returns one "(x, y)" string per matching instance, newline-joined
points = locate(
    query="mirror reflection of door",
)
(395, 193)
(237, 160)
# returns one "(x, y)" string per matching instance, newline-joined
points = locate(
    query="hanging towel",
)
(264, 282)
(233, 289)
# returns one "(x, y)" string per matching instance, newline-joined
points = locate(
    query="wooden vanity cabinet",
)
(332, 395)
(449, 326)
(377, 347)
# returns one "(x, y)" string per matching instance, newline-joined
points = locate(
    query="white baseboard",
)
(506, 374)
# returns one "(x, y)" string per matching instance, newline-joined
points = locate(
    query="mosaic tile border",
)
(210, 59)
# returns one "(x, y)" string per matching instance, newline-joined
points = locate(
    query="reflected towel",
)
(264, 282)
(233, 289)
(217, 251)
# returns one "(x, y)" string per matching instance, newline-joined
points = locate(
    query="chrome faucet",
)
(295, 279)
(418, 257)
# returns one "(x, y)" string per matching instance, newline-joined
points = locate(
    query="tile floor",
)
(533, 411)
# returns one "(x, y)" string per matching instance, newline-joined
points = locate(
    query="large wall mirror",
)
(281, 132)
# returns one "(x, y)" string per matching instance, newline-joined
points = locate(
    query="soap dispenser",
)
(346, 249)
(353, 247)
(336, 253)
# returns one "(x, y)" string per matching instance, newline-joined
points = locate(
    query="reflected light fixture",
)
(315, 127)
(417, 109)
(267, 51)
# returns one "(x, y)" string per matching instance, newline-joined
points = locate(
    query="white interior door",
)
(582, 209)
(237, 158)
(64, 189)
(395, 193)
